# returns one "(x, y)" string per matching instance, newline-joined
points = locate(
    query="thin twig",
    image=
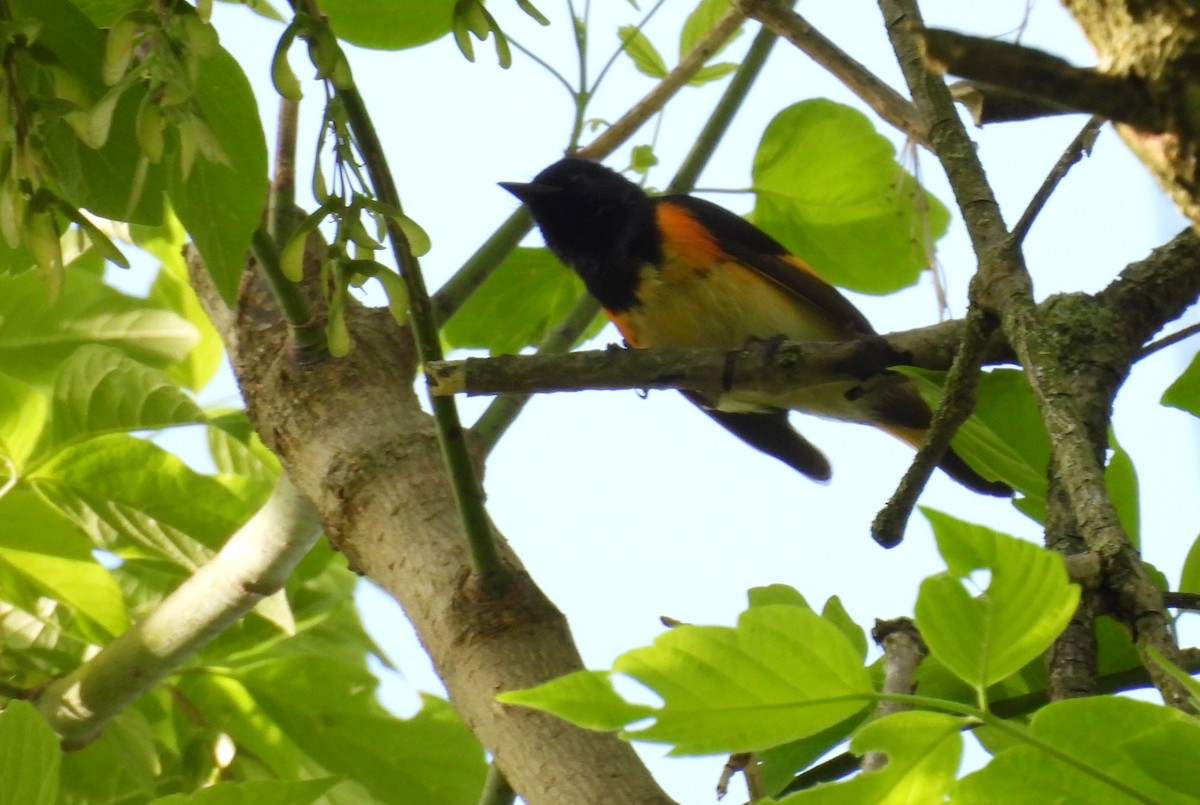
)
(494, 421)
(903, 652)
(1166, 341)
(672, 82)
(887, 103)
(496, 790)
(1182, 600)
(281, 202)
(1080, 146)
(306, 334)
(958, 400)
(1003, 286)
(460, 468)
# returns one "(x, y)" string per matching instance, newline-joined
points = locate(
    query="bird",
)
(676, 271)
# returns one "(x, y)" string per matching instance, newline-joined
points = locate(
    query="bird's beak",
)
(527, 191)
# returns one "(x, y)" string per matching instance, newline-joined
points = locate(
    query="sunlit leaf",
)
(828, 187)
(1027, 603)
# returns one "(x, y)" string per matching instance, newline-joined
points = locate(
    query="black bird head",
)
(595, 221)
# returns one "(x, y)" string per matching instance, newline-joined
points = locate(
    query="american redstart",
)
(677, 271)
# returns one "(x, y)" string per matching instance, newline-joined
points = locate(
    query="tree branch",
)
(1073, 398)
(352, 436)
(1043, 80)
(885, 101)
(903, 651)
(717, 370)
(254, 564)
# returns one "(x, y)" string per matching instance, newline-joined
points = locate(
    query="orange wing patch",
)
(686, 237)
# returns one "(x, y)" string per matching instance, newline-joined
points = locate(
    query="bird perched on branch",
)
(678, 272)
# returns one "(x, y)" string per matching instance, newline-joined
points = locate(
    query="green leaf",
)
(1121, 479)
(700, 22)
(121, 765)
(1106, 749)
(645, 56)
(98, 179)
(771, 594)
(429, 759)
(35, 339)
(256, 792)
(829, 188)
(45, 548)
(710, 73)
(584, 698)
(220, 205)
(836, 614)
(782, 674)
(375, 23)
(23, 415)
(1189, 578)
(130, 495)
(99, 390)
(1027, 603)
(518, 306)
(1004, 437)
(173, 291)
(29, 757)
(923, 751)
(1184, 393)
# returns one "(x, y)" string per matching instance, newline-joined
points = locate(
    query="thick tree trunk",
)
(355, 441)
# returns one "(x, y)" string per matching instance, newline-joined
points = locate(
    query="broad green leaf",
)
(121, 765)
(35, 338)
(376, 23)
(644, 55)
(173, 291)
(23, 413)
(221, 205)
(255, 792)
(836, 614)
(1189, 579)
(783, 673)
(1115, 650)
(585, 698)
(518, 306)
(99, 390)
(429, 759)
(1028, 602)
(1184, 393)
(1109, 749)
(98, 179)
(771, 594)
(828, 187)
(1120, 477)
(700, 22)
(48, 550)
(29, 757)
(104, 12)
(1004, 439)
(130, 495)
(923, 751)
(244, 464)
